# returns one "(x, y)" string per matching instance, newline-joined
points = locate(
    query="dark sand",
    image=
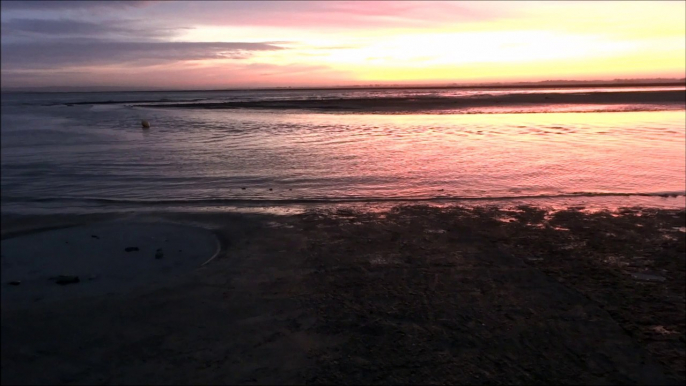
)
(404, 104)
(412, 295)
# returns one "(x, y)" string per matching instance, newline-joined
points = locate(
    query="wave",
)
(323, 200)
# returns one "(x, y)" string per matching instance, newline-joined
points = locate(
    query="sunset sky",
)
(209, 45)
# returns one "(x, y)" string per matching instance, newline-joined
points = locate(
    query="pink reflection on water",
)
(418, 156)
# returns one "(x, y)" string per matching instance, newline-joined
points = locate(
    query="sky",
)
(214, 44)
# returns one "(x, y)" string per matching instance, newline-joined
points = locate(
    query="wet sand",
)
(415, 294)
(404, 104)
(102, 258)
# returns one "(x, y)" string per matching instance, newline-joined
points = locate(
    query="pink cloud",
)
(332, 14)
(188, 75)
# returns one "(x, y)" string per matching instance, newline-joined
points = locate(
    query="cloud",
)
(297, 14)
(63, 5)
(60, 54)
(47, 28)
(327, 15)
(175, 76)
(269, 69)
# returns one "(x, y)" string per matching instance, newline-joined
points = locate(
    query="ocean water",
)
(86, 152)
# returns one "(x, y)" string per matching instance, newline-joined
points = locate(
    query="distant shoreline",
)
(395, 87)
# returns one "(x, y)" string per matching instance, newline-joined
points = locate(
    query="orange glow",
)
(560, 40)
(337, 43)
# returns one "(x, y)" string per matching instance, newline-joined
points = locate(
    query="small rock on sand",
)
(95, 236)
(646, 277)
(159, 254)
(66, 279)
(130, 249)
(15, 282)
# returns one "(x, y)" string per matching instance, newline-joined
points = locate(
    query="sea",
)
(88, 153)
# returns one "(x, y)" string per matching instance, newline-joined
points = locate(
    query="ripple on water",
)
(212, 154)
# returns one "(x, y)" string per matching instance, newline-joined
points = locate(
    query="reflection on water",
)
(65, 156)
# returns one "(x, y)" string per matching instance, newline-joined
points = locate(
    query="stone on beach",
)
(647, 277)
(145, 124)
(66, 279)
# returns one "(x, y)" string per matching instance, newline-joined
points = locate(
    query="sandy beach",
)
(414, 294)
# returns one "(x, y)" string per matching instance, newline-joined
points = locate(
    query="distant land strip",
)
(673, 97)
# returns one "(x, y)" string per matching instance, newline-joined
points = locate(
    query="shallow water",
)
(89, 157)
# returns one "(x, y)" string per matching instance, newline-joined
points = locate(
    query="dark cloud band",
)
(67, 53)
(64, 5)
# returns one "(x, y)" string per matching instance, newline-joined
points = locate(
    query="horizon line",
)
(646, 82)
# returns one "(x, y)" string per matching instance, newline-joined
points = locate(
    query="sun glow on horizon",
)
(492, 55)
(333, 43)
(499, 50)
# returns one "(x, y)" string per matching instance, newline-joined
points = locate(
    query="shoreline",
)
(673, 200)
(412, 293)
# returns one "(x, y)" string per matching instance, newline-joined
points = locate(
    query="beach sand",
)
(414, 294)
